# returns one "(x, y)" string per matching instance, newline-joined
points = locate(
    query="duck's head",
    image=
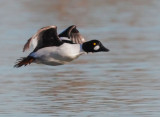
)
(94, 46)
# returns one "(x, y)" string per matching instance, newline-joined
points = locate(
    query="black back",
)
(48, 38)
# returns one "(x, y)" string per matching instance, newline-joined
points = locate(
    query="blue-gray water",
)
(124, 82)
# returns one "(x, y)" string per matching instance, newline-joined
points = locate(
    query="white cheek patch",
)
(96, 47)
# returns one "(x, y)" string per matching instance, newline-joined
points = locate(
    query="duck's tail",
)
(24, 61)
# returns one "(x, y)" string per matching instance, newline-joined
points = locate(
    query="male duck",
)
(53, 49)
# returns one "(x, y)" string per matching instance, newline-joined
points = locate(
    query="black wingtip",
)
(66, 32)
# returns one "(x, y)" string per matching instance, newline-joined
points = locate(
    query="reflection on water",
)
(124, 82)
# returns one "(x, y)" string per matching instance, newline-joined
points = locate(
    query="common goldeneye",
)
(52, 49)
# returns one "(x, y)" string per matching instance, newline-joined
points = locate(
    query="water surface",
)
(121, 83)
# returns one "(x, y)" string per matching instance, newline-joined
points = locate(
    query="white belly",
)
(58, 55)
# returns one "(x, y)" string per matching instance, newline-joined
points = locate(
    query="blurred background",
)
(124, 82)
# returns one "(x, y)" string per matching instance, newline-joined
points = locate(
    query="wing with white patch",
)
(72, 34)
(46, 36)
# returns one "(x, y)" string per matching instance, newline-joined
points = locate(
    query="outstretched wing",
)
(72, 34)
(46, 36)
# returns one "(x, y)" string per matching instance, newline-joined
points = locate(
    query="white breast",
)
(58, 55)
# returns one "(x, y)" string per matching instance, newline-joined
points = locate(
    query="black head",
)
(94, 46)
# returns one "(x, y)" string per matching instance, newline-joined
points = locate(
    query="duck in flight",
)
(49, 48)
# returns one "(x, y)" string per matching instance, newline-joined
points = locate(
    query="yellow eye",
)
(94, 44)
